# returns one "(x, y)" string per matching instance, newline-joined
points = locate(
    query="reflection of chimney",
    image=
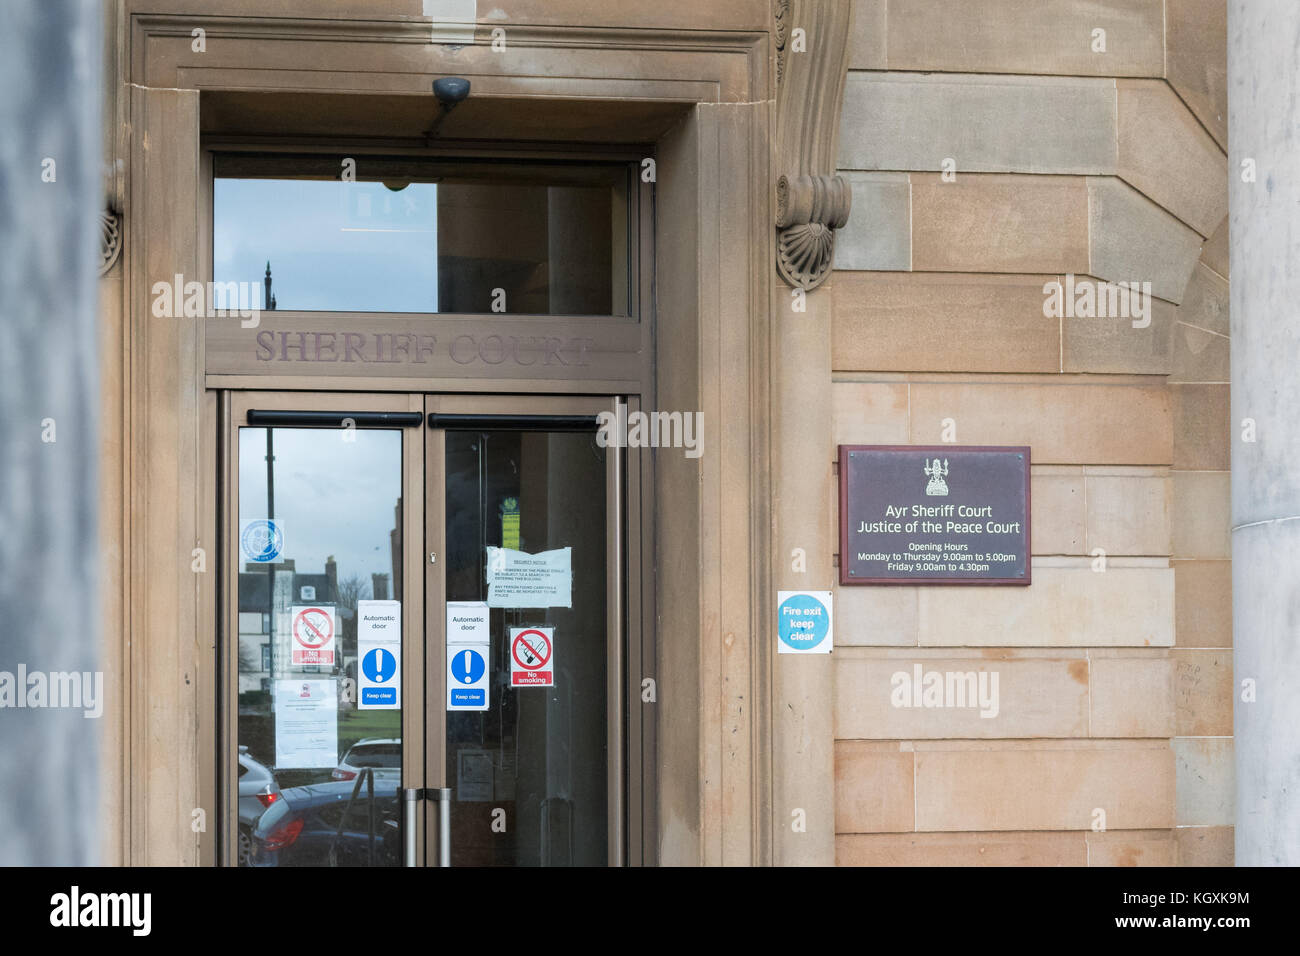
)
(332, 573)
(395, 546)
(379, 586)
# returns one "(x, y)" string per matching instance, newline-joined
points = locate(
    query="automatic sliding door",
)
(500, 706)
(531, 682)
(318, 641)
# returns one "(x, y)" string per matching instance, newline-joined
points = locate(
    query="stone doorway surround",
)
(695, 83)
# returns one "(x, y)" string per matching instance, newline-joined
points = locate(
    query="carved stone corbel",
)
(811, 200)
(110, 239)
(114, 131)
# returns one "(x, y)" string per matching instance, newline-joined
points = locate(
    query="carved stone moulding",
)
(812, 56)
(782, 19)
(808, 211)
(110, 239)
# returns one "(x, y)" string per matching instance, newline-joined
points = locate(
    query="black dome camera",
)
(451, 90)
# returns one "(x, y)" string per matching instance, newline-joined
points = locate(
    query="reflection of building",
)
(265, 611)
(395, 547)
(264, 614)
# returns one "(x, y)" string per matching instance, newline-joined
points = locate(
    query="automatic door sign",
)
(803, 622)
(379, 650)
(532, 658)
(313, 635)
(467, 677)
(467, 623)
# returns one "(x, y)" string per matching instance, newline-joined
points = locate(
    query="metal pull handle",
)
(411, 798)
(410, 804)
(442, 796)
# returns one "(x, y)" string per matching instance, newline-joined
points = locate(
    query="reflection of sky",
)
(333, 246)
(332, 496)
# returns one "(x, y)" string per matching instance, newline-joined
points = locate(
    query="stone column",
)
(811, 203)
(50, 190)
(1264, 205)
(803, 732)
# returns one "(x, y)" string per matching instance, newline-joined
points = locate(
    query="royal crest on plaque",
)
(937, 473)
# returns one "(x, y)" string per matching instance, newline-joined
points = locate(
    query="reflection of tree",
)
(250, 658)
(351, 589)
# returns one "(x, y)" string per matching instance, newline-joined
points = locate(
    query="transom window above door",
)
(369, 234)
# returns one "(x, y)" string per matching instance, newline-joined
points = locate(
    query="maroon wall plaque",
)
(934, 514)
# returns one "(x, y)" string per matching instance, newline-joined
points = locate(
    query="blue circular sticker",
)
(802, 622)
(262, 540)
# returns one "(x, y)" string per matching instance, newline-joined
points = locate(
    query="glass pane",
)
(320, 539)
(538, 752)
(408, 236)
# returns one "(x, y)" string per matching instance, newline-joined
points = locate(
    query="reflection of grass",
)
(356, 725)
(258, 734)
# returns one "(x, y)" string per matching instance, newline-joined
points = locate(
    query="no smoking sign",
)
(532, 656)
(313, 635)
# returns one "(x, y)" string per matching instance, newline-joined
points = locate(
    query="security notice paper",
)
(518, 579)
(306, 724)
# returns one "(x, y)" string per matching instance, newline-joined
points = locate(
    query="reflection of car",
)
(302, 827)
(382, 754)
(257, 791)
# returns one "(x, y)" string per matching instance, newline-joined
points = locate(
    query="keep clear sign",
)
(306, 724)
(803, 622)
(379, 650)
(468, 644)
(519, 579)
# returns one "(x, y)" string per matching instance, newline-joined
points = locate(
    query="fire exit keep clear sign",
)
(934, 514)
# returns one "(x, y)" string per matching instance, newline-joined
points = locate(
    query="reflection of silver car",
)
(382, 754)
(257, 791)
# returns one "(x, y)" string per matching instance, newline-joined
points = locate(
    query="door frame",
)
(629, 644)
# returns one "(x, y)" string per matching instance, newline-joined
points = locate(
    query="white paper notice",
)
(519, 579)
(379, 652)
(467, 623)
(306, 724)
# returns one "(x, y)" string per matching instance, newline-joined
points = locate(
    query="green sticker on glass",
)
(510, 524)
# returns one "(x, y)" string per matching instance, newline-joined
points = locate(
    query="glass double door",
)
(426, 631)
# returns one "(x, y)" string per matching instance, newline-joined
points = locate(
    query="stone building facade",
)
(856, 215)
(1088, 140)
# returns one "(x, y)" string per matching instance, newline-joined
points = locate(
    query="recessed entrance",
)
(428, 629)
